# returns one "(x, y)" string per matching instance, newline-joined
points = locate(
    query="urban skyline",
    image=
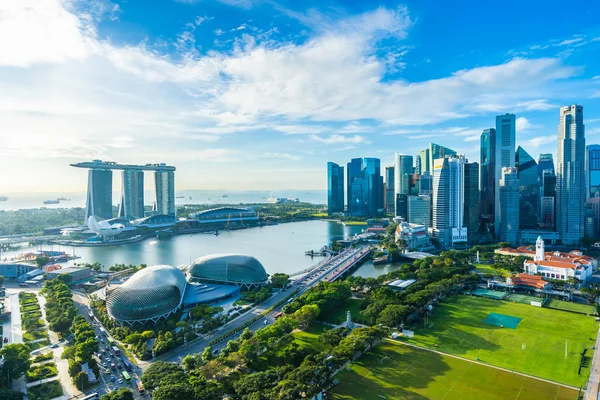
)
(186, 91)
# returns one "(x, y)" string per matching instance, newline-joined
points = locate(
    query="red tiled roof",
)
(529, 280)
(555, 264)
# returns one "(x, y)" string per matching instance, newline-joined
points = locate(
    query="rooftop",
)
(111, 165)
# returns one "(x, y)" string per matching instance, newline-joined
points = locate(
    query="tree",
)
(121, 394)
(67, 279)
(393, 315)
(246, 334)
(6, 394)
(15, 360)
(190, 362)
(40, 261)
(86, 350)
(82, 381)
(1, 280)
(333, 337)
(279, 280)
(163, 373)
(170, 392)
(307, 314)
(207, 354)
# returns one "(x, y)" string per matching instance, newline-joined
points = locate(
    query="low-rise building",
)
(78, 274)
(561, 266)
(528, 282)
(414, 235)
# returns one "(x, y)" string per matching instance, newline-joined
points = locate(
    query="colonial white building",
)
(557, 265)
(414, 235)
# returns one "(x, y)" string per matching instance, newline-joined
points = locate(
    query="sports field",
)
(395, 371)
(569, 306)
(535, 347)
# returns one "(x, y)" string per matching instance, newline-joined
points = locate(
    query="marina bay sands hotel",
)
(99, 191)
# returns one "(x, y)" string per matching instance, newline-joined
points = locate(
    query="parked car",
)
(54, 346)
(112, 379)
(120, 380)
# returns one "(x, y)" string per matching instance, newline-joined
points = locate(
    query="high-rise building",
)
(505, 156)
(425, 184)
(418, 165)
(419, 208)
(547, 217)
(508, 217)
(132, 194)
(375, 190)
(99, 194)
(335, 188)
(430, 154)
(593, 170)
(448, 200)
(354, 203)
(545, 162)
(487, 180)
(164, 182)
(471, 200)
(402, 206)
(403, 169)
(529, 190)
(389, 190)
(423, 162)
(570, 175)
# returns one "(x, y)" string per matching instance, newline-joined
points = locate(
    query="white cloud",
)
(538, 141)
(300, 129)
(286, 156)
(568, 42)
(523, 124)
(536, 105)
(339, 139)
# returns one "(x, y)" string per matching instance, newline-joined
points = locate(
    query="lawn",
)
(488, 269)
(352, 223)
(569, 306)
(394, 371)
(45, 391)
(34, 335)
(37, 345)
(535, 347)
(309, 339)
(42, 371)
(339, 315)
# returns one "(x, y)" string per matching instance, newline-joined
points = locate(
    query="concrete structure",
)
(335, 188)
(425, 184)
(226, 215)
(487, 180)
(448, 200)
(430, 154)
(592, 165)
(558, 265)
(419, 210)
(401, 284)
(389, 202)
(570, 175)
(99, 192)
(528, 281)
(471, 201)
(530, 236)
(14, 270)
(507, 217)
(414, 236)
(78, 274)
(505, 157)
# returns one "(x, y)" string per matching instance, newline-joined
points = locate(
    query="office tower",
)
(570, 175)
(505, 156)
(548, 200)
(419, 208)
(132, 194)
(448, 200)
(545, 162)
(99, 195)
(390, 205)
(529, 190)
(430, 154)
(471, 206)
(414, 184)
(418, 165)
(335, 188)
(487, 180)
(424, 164)
(402, 206)
(164, 182)
(353, 172)
(403, 169)
(507, 219)
(372, 169)
(425, 184)
(592, 207)
(592, 160)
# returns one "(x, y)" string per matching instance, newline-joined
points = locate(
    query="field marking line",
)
(456, 381)
(484, 364)
(517, 398)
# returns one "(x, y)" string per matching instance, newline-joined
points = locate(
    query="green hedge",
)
(45, 391)
(43, 357)
(42, 371)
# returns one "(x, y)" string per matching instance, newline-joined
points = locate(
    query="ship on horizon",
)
(3, 198)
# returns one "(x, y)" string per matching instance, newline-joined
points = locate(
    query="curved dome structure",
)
(150, 294)
(229, 268)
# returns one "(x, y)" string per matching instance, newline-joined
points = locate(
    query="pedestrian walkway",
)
(593, 384)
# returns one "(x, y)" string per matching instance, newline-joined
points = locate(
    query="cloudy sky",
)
(260, 94)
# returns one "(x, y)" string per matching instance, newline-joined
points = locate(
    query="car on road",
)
(112, 379)
(54, 346)
(107, 372)
(120, 381)
(104, 364)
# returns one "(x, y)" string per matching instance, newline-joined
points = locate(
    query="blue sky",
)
(260, 94)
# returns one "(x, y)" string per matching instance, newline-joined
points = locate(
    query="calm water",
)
(280, 248)
(35, 200)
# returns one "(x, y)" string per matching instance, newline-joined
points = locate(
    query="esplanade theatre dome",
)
(150, 294)
(228, 268)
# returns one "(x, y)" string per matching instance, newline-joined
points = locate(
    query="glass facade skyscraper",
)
(365, 187)
(419, 210)
(471, 200)
(448, 200)
(545, 162)
(375, 188)
(593, 170)
(354, 172)
(132, 194)
(505, 156)
(335, 188)
(99, 195)
(508, 216)
(529, 190)
(487, 180)
(164, 182)
(403, 169)
(570, 175)
(389, 190)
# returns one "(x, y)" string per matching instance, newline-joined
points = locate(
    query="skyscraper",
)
(365, 187)
(403, 169)
(389, 190)
(99, 195)
(487, 180)
(372, 169)
(424, 163)
(353, 172)
(419, 210)
(508, 217)
(335, 188)
(529, 190)
(132, 194)
(548, 200)
(570, 175)
(593, 170)
(471, 200)
(418, 165)
(505, 156)
(545, 162)
(430, 154)
(425, 184)
(448, 200)
(165, 192)
(402, 206)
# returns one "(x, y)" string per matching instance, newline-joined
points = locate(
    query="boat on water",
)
(224, 195)
(179, 196)
(163, 234)
(63, 199)
(56, 201)
(3, 198)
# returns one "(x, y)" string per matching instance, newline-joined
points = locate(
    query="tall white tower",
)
(539, 250)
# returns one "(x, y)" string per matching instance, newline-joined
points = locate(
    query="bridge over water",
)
(333, 268)
(416, 255)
